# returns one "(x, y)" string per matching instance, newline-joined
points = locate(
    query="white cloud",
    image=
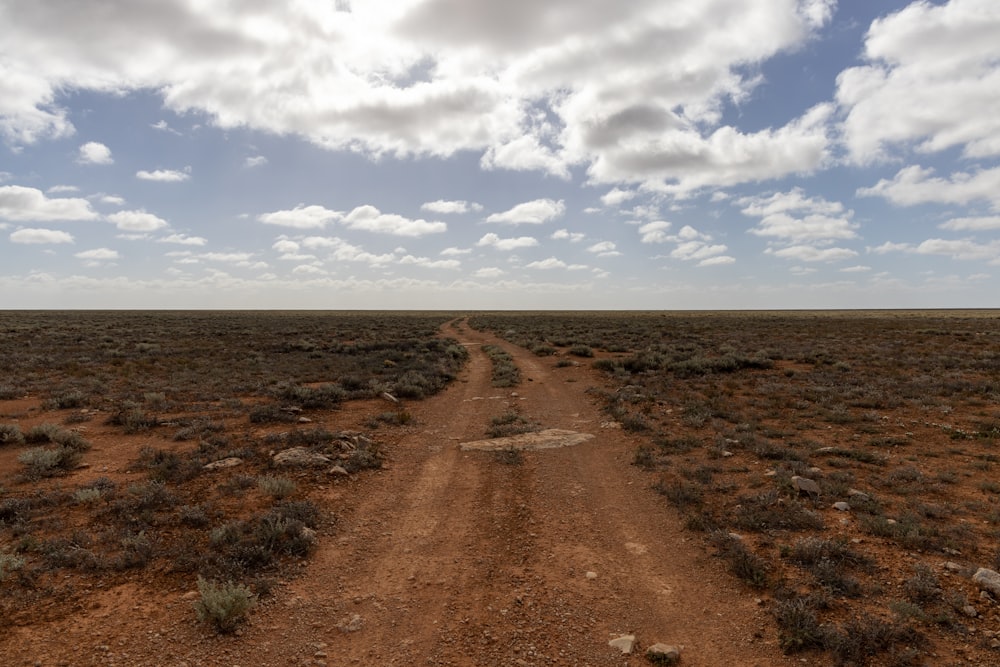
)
(342, 251)
(856, 269)
(655, 232)
(114, 200)
(369, 218)
(301, 217)
(183, 239)
(634, 89)
(975, 224)
(566, 235)
(455, 252)
(793, 218)
(428, 263)
(957, 249)
(617, 196)
(137, 221)
(238, 258)
(61, 189)
(40, 236)
(445, 206)
(555, 263)
(164, 127)
(718, 260)
(604, 249)
(931, 80)
(255, 161)
(98, 255)
(94, 152)
(531, 212)
(915, 185)
(494, 241)
(489, 272)
(21, 204)
(808, 253)
(162, 175)
(525, 153)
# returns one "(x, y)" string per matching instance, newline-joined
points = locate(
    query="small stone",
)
(591, 575)
(231, 462)
(305, 420)
(353, 624)
(987, 580)
(771, 473)
(190, 595)
(858, 495)
(970, 611)
(726, 454)
(805, 485)
(663, 654)
(339, 471)
(952, 566)
(299, 456)
(625, 643)
(995, 643)
(389, 397)
(842, 506)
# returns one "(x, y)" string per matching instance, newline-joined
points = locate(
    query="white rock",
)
(805, 485)
(625, 643)
(987, 580)
(842, 506)
(223, 463)
(663, 654)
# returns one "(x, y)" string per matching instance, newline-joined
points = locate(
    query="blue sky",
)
(469, 154)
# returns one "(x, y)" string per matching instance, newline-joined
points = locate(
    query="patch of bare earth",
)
(445, 556)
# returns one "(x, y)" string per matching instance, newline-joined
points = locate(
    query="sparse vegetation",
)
(224, 605)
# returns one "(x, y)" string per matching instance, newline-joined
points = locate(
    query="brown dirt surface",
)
(446, 557)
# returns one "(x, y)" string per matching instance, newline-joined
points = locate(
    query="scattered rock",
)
(389, 397)
(805, 485)
(952, 566)
(726, 454)
(858, 495)
(970, 611)
(987, 580)
(842, 506)
(352, 624)
(305, 420)
(663, 654)
(816, 471)
(625, 643)
(591, 575)
(771, 473)
(339, 471)
(190, 595)
(299, 456)
(231, 462)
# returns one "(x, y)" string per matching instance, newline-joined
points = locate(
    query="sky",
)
(475, 154)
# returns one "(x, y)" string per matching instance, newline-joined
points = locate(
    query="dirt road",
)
(451, 557)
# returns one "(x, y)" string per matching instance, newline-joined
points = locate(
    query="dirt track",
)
(456, 558)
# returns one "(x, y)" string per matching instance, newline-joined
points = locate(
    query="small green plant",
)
(88, 496)
(277, 487)
(9, 563)
(224, 605)
(510, 423)
(799, 628)
(509, 456)
(10, 434)
(41, 462)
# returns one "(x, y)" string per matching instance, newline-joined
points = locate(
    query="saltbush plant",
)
(224, 605)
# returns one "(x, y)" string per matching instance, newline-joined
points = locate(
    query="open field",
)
(705, 425)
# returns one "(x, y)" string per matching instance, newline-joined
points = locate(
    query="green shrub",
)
(86, 496)
(10, 434)
(47, 462)
(224, 605)
(277, 487)
(799, 628)
(9, 563)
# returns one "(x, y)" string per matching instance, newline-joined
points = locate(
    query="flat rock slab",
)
(550, 438)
